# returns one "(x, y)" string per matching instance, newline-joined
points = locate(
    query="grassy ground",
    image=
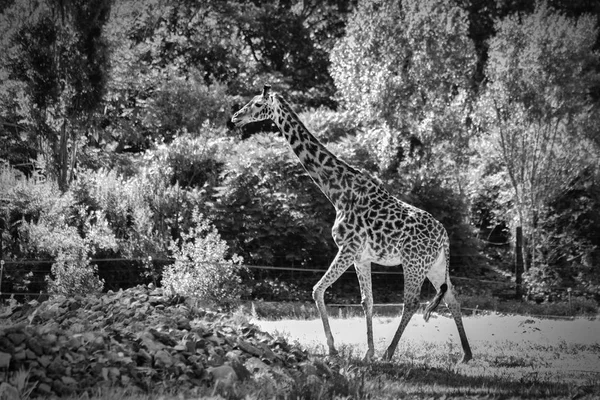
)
(514, 356)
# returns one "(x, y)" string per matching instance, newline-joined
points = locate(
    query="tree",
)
(536, 107)
(408, 66)
(56, 62)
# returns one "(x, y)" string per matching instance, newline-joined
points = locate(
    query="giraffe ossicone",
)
(371, 225)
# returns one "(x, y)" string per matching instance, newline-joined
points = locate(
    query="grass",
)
(514, 356)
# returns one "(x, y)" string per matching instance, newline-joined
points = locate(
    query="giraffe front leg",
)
(412, 286)
(363, 271)
(339, 265)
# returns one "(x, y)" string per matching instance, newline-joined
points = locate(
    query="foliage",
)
(535, 110)
(403, 61)
(56, 62)
(73, 275)
(329, 125)
(276, 290)
(201, 269)
(470, 119)
(266, 198)
(570, 243)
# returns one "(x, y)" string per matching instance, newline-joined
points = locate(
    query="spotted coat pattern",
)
(371, 225)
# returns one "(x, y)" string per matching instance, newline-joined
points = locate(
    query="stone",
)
(44, 361)
(6, 344)
(248, 348)
(308, 368)
(150, 342)
(44, 388)
(17, 338)
(162, 359)
(69, 381)
(35, 346)
(240, 370)
(7, 391)
(72, 345)
(233, 355)
(267, 352)
(223, 373)
(4, 360)
(254, 365)
(20, 355)
(30, 354)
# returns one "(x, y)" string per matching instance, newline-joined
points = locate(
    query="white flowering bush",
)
(201, 270)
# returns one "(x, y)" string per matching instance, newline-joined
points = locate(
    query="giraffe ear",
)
(266, 90)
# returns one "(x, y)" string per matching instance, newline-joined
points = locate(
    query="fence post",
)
(2, 223)
(1, 273)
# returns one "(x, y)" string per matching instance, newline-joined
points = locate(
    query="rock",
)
(8, 391)
(6, 344)
(240, 370)
(44, 361)
(162, 359)
(308, 368)
(248, 348)
(4, 360)
(255, 365)
(17, 338)
(69, 381)
(121, 339)
(224, 373)
(35, 346)
(20, 355)
(44, 388)
(150, 342)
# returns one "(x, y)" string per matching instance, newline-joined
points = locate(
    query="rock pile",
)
(138, 337)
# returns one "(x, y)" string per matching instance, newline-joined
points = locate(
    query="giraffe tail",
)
(436, 301)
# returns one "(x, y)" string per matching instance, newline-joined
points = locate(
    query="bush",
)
(201, 270)
(73, 275)
(269, 210)
(187, 103)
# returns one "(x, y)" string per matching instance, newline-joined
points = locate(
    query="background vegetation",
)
(115, 143)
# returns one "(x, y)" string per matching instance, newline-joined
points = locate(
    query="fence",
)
(386, 271)
(343, 308)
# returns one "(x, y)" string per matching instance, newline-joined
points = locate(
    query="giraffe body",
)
(371, 226)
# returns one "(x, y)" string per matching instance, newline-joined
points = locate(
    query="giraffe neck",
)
(332, 175)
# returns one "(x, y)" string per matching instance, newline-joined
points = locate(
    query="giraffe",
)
(371, 225)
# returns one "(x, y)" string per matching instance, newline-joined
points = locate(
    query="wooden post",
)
(519, 263)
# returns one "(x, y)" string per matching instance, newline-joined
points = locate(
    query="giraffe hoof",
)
(466, 358)
(387, 356)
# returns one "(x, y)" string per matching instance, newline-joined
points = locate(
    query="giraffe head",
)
(258, 109)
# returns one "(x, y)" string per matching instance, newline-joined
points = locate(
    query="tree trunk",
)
(519, 263)
(63, 163)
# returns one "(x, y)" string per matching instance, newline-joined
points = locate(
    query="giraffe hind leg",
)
(440, 280)
(454, 307)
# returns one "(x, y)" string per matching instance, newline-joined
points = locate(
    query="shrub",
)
(201, 270)
(188, 103)
(269, 210)
(73, 275)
